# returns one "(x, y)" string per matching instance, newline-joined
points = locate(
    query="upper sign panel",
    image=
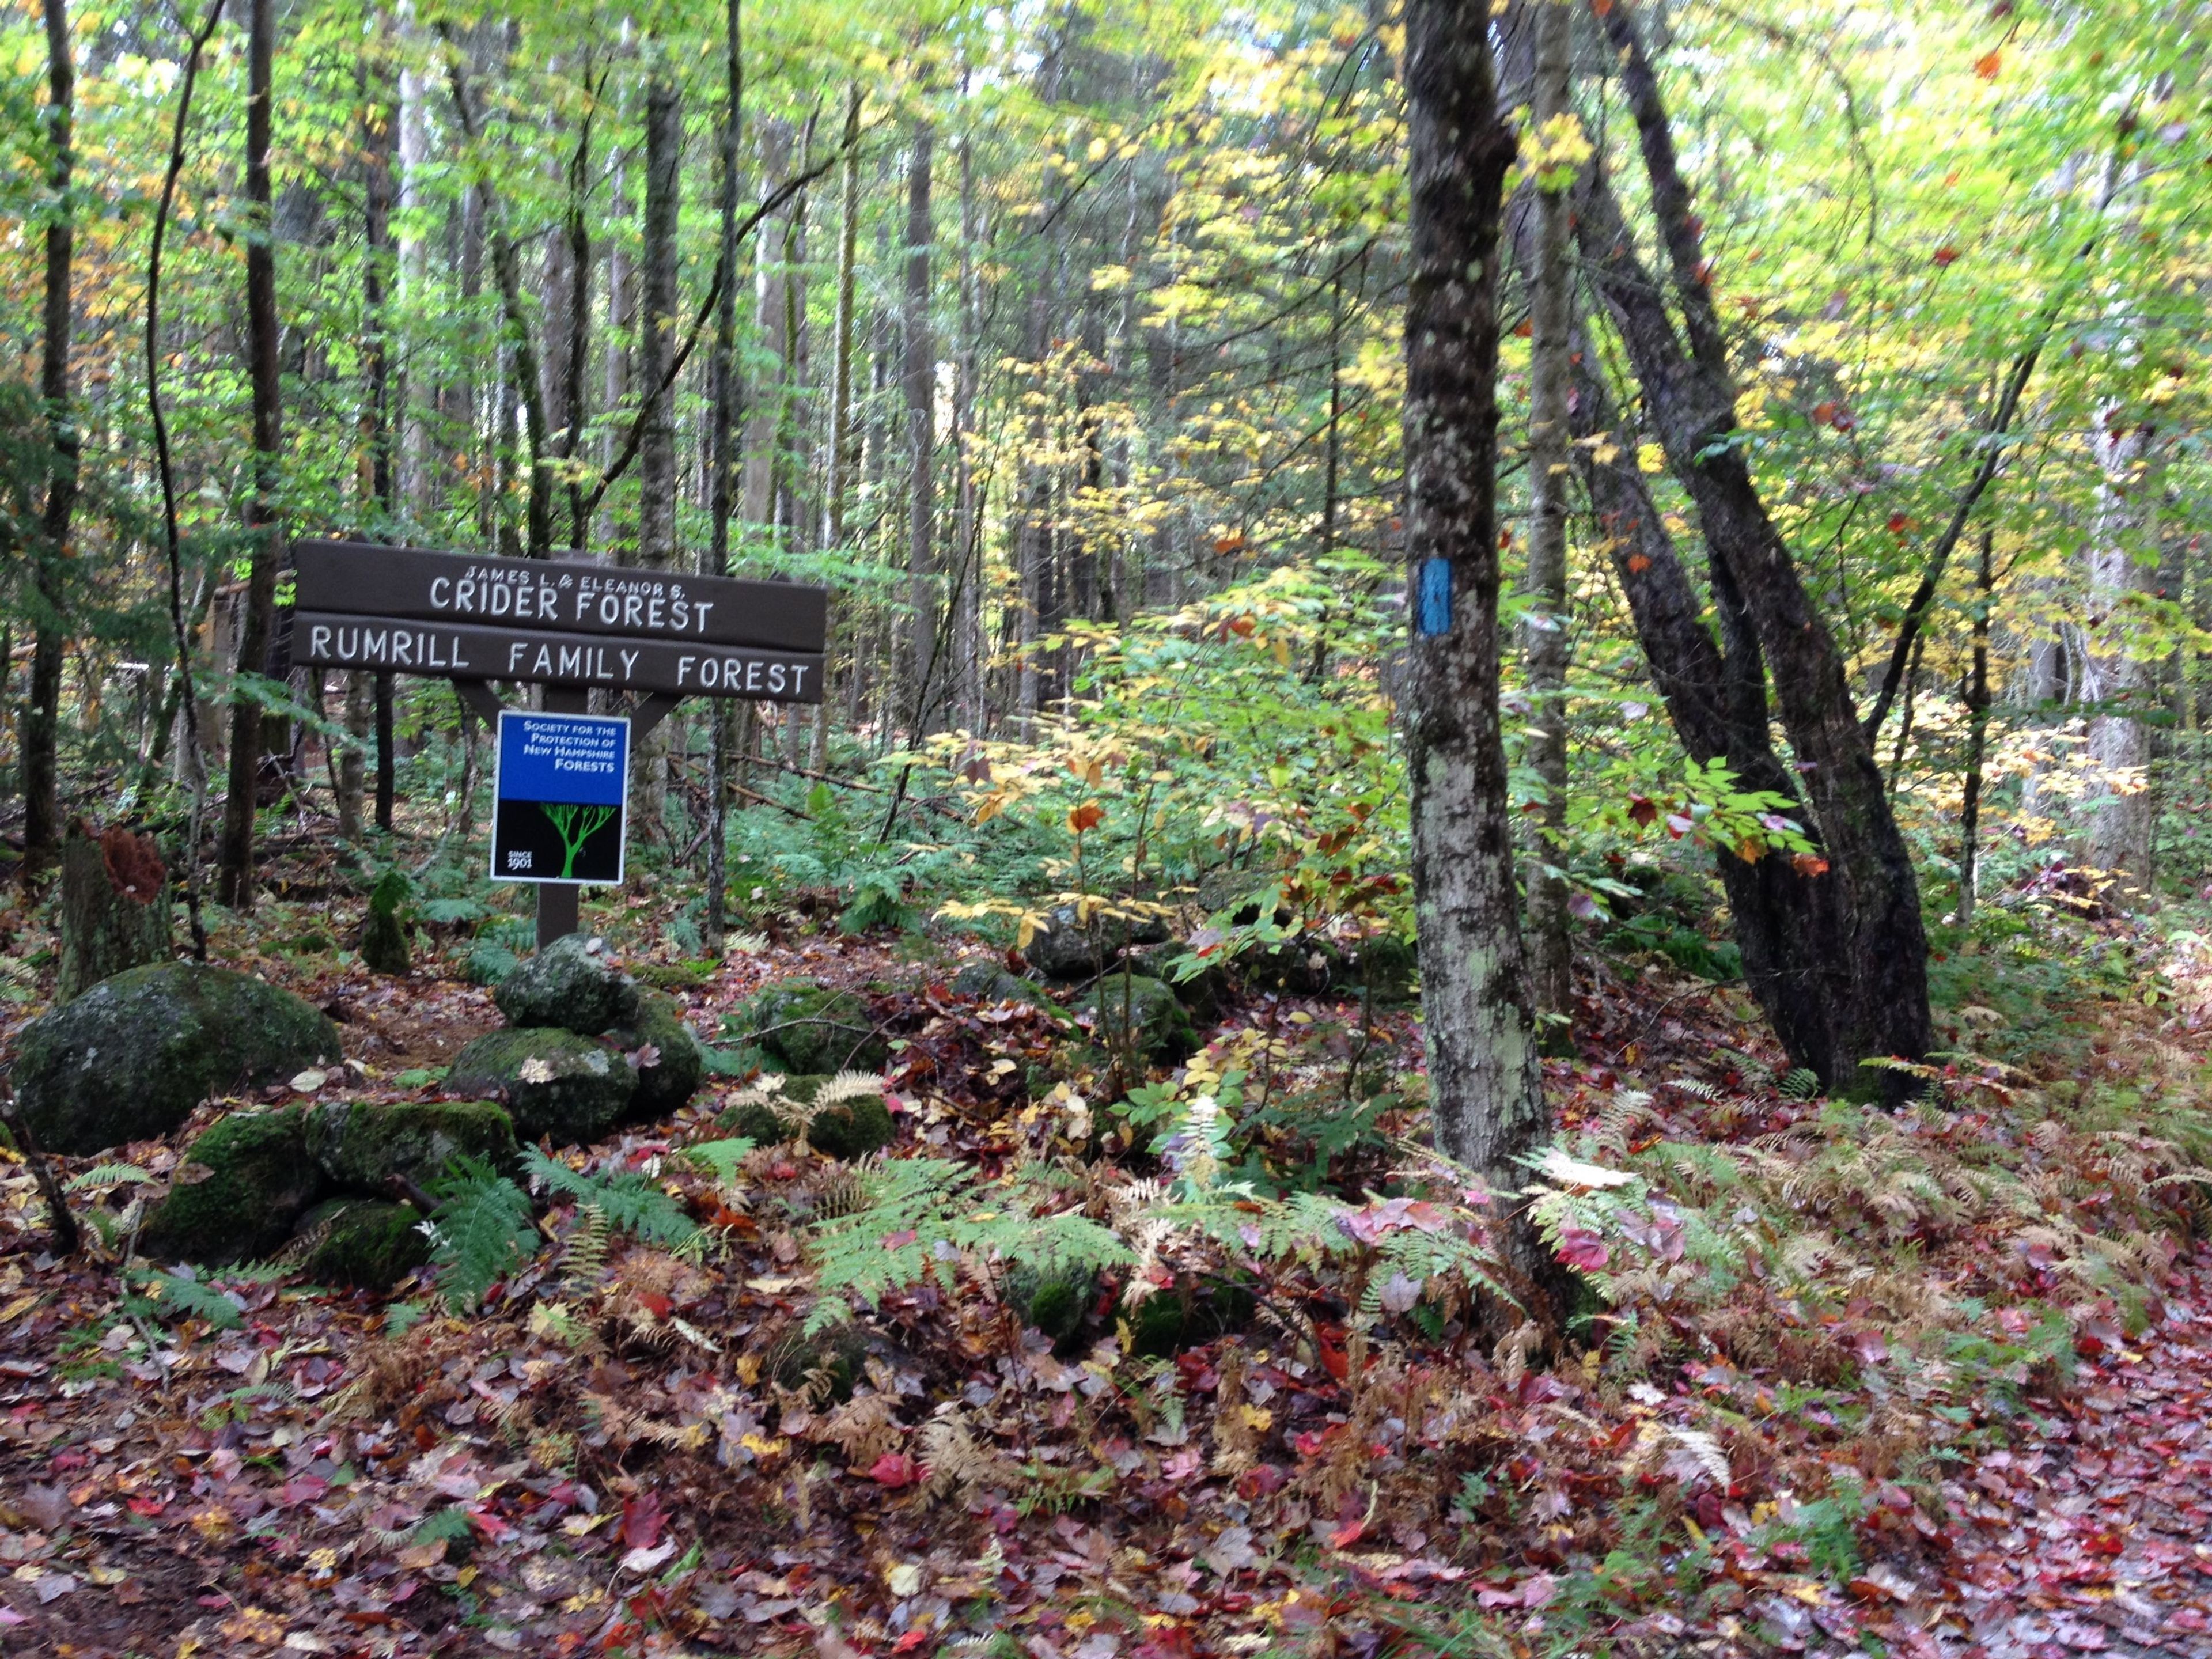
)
(557, 596)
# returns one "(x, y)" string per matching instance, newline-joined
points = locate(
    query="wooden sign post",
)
(567, 624)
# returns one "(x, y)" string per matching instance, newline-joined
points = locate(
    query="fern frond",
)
(630, 1202)
(719, 1158)
(103, 1176)
(481, 1231)
(172, 1295)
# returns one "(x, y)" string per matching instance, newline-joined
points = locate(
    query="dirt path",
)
(2097, 1536)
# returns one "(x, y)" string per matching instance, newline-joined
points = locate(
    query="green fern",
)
(920, 1213)
(103, 1176)
(449, 1525)
(172, 1295)
(720, 1158)
(630, 1202)
(481, 1231)
(1802, 1084)
(402, 1317)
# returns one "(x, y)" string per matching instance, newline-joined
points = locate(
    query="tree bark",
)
(40, 727)
(656, 457)
(920, 380)
(1691, 398)
(1977, 732)
(506, 273)
(114, 909)
(1484, 1081)
(2121, 675)
(1545, 637)
(235, 876)
(721, 465)
(844, 435)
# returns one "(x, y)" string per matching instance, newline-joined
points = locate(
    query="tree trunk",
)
(1545, 636)
(721, 468)
(1690, 395)
(1484, 1081)
(1978, 731)
(2122, 676)
(920, 387)
(235, 876)
(41, 727)
(656, 455)
(844, 435)
(114, 910)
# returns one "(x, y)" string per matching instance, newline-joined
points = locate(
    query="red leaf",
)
(1809, 864)
(642, 1518)
(1987, 65)
(1089, 815)
(1945, 255)
(1345, 1536)
(894, 1470)
(1583, 1249)
(1643, 810)
(1637, 564)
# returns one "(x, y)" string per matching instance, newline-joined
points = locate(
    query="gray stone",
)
(1142, 1013)
(363, 1143)
(986, 981)
(671, 1075)
(569, 984)
(803, 1026)
(130, 1058)
(554, 1083)
(237, 1190)
(1063, 949)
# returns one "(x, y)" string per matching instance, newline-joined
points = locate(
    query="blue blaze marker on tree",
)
(1432, 599)
(561, 798)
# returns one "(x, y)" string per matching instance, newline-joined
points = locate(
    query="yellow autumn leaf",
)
(1650, 457)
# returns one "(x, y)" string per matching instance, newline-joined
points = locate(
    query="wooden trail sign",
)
(567, 624)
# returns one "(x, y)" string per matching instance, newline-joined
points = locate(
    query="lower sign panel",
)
(467, 652)
(562, 797)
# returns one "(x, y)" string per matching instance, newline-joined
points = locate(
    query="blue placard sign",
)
(562, 797)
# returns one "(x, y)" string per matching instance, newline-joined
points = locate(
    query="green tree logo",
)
(574, 825)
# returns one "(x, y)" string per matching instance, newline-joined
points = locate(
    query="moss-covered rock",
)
(808, 1028)
(1238, 892)
(131, 1057)
(553, 1082)
(1062, 948)
(1171, 1321)
(1054, 1302)
(573, 984)
(361, 1242)
(848, 1128)
(1204, 993)
(986, 981)
(363, 1143)
(663, 1052)
(237, 1191)
(1140, 1013)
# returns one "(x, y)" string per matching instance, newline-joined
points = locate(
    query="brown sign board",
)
(561, 596)
(469, 652)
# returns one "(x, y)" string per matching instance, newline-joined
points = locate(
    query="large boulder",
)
(986, 981)
(806, 1027)
(1063, 948)
(361, 1144)
(237, 1190)
(572, 984)
(1142, 1013)
(130, 1058)
(662, 1051)
(364, 1242)
(555, 1083)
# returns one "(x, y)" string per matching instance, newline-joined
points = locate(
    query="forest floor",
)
(1749, 1466)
